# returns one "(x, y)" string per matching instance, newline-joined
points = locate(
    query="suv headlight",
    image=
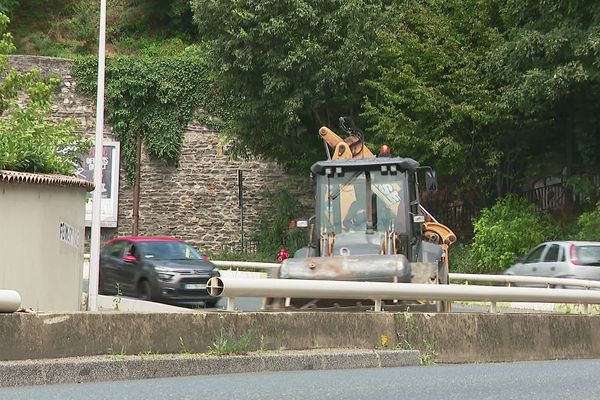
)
(164, 277)
(163, 274)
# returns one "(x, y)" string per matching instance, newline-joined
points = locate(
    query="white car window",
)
(552, 253)
(535, 255)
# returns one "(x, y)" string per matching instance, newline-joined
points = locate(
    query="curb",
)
(117, 367)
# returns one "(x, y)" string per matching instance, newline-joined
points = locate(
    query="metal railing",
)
(247, 264)
(379, 291)
(519, 279)
(10, 301)
(507, 279)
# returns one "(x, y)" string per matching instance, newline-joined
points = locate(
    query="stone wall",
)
(197, 200)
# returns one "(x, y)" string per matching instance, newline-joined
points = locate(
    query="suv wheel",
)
(211, 303)
(144, 290)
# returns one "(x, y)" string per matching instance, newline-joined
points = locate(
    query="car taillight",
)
(572, 255)
(204, 257)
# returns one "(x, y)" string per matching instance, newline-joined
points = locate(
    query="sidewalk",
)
(146, 366)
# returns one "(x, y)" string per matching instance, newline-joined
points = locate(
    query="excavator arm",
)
(351, 147)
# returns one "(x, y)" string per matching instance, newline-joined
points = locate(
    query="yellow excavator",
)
(369, 224)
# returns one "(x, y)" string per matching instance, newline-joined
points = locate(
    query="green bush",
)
(274, 224)
(29, 140)
(589, 224)
(461, 259)
(506, 230)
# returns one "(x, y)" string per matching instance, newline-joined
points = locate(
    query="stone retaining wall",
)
(197, 200)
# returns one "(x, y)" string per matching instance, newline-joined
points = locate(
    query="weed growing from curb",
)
(149, 354)
(118, 297)
(227, 345)
(183, 350)
(117, 356)
(412, 334)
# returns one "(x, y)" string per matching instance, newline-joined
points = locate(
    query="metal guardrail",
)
(236, 287)
(10, 301)
(379, 291)
(510, 279)
(247, 264)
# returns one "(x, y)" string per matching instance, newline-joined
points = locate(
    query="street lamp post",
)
(97, 195)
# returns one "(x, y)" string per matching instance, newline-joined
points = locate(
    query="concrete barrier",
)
(448, 337)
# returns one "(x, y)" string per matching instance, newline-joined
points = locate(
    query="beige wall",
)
(45, 268)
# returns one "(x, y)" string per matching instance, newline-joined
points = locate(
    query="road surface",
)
(530, 380)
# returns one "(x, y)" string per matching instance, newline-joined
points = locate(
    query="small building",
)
(42, 227)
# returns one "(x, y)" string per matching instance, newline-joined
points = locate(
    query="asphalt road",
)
(530, 380)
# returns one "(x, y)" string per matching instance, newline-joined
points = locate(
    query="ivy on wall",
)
(158, 96)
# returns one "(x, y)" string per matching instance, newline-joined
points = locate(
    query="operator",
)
(356, 218)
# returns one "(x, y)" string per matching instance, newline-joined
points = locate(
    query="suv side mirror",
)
(130, 258)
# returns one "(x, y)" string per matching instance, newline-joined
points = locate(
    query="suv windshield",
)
(344, 201)
(168, 251)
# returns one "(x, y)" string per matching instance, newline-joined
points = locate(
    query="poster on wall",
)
(110, 184)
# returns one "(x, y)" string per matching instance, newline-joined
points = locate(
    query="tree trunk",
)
(135, 218)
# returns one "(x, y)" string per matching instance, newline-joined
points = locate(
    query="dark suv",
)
(160, 269)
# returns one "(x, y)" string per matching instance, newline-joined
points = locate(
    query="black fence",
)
(456, 216)
(549, 197)
(247, 246)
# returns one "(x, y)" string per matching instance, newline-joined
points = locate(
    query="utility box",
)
(42, 227)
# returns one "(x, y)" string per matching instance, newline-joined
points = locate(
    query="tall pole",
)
(97, 196)
(241, 201)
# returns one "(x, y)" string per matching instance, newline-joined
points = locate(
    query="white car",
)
(561, 259)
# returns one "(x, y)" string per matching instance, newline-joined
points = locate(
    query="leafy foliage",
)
(67, 28)
(293, 65)
(430, 101)
(461, 259)
(29, 141)
(506, 230)
(273, 226)
(158, 96)
(481, 89)
(7, 6)
(545, 71)
(589, 224)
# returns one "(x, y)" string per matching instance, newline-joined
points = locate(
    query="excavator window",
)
(344, 202)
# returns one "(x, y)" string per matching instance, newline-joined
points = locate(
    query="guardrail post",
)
(230, 304)
(377, 305)
(493, 308)
(586, 309)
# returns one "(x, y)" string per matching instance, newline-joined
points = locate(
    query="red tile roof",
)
(44, 179)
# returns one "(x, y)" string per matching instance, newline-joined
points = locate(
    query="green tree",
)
(293, 66)
(547, 74)
(7, 6)
(506, 230)
(589, 224)
(29, 140)
(430, 100)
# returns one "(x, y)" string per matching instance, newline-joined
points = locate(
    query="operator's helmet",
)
(282, 254)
